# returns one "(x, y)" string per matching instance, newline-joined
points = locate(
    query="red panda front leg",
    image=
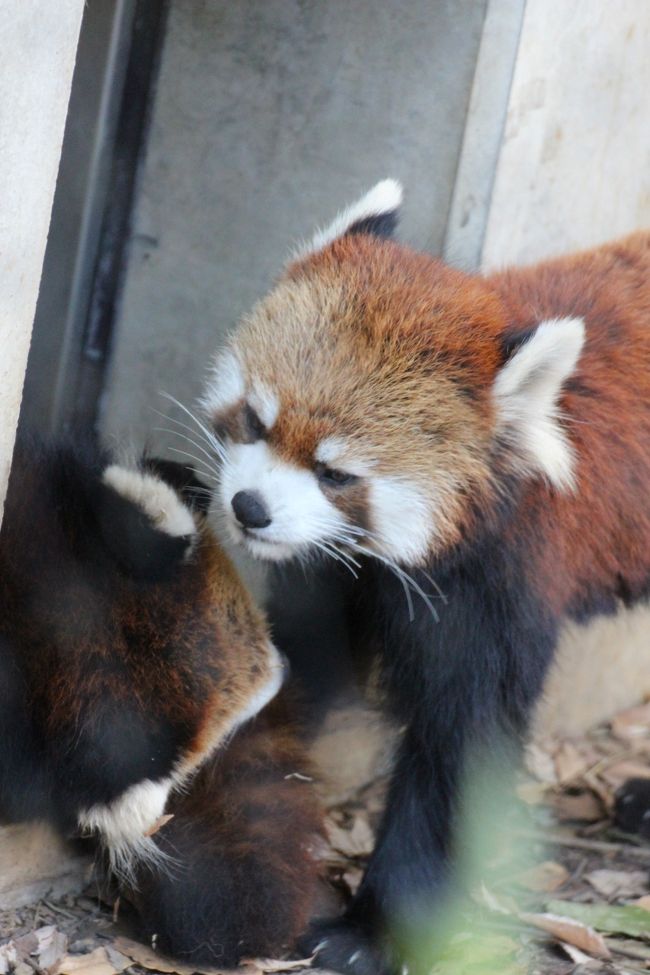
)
(464, 684)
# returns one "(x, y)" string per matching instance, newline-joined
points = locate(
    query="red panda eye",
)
(254, 426)
(220, 429)
(333, 477)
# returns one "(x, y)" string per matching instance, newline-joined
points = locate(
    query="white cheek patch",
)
(265, 403)
(336, 452)
(526, 393)
(154, 497)
(385, 197)
(300, 513)
(402, 519)
(226, 383)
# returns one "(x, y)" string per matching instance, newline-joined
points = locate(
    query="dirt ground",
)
(562, 893)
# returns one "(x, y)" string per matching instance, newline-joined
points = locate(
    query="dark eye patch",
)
(332, 477)
(254, 426)
(241, 424)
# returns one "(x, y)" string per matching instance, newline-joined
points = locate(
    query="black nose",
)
(250, 510)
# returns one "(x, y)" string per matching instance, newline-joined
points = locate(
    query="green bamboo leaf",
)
(634, 921)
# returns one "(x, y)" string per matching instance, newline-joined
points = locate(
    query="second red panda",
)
(131, 662)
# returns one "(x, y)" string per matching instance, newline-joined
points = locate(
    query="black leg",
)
(632, 808)
(408, 871)
(464, 682)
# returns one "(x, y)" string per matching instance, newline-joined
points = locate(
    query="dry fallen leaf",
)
(618, 883)
(619, 773)
(51, 948)
(571, 932)
(8, 957)
(584, 807)
(633, 723)
(572, 761)
(630, 948)
(97, 962)
(148, 958)
(47, 945)
(544, 877)
(266, 966)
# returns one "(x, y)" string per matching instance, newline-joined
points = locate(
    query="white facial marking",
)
(336, 452)
(401, 518)
(299, 511)
(526, 393)
(384, 197)
(265, 403)
(226, 383)
(123, 823)
(157, 499)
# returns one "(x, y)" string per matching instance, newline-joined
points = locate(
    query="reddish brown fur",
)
(603, 530)
(196, 645)
(442, 323)
(103, 673)
(254, 824)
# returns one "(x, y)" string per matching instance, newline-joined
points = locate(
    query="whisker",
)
(373, 535)
(185, 426)
(407, 591)
(184, 436)
(335, 554)
(401, 574)
(198, 462)
(218, 446)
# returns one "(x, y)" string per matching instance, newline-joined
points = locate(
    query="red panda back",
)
(593, 546)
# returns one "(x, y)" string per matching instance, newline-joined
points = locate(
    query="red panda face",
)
(364, 405)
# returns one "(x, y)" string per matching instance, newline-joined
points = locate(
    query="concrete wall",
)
(270, 115)
(574, 166)
(38, 42)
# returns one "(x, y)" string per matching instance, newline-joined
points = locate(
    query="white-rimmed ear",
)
(526, 392)
(226, 383)
(375, 213)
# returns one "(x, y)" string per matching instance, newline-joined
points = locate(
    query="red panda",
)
(130, 657)
(476, 450)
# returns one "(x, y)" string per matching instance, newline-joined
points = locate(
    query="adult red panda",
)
(130, 654)
(477, 450)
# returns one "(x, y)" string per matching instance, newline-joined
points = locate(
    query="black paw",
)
(342, 946)
(632, 807)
